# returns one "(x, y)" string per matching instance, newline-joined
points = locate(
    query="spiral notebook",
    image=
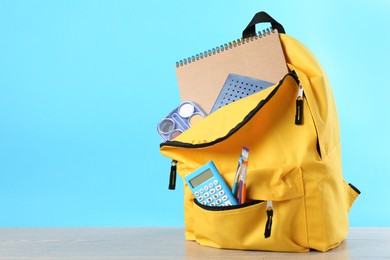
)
(201, 77)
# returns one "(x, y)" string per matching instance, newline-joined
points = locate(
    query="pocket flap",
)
(220, 123)
(231, 118)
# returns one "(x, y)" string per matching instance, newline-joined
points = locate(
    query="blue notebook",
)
(237, 87)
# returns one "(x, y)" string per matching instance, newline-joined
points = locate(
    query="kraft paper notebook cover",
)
(201, 77)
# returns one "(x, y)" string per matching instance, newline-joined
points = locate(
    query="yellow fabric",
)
(310, 198)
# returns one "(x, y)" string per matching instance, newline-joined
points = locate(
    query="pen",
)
(237, 177)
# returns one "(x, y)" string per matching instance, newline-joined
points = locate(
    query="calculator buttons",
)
(209, 187)
(215, 196)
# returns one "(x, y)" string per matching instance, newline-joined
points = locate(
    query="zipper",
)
(270, 215)
(299, 106)
(172, 176)
(269, 211)
(247, 117)
(224, 208)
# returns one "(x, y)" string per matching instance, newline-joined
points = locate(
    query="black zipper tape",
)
(224, 208)
(239, 125)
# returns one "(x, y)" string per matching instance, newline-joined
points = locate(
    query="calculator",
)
(209, 188)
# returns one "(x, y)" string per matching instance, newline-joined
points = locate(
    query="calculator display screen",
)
(204, 176)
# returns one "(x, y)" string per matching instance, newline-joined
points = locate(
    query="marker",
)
(244, 154)
(242, 189)
(243, 168)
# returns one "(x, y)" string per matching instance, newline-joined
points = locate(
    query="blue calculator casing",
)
(209, 187)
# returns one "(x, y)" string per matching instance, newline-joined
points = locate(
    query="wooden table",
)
(163, 243)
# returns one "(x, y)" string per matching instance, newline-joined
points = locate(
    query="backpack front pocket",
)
(245, 226)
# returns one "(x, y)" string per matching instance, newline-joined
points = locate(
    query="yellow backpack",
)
(295, 163)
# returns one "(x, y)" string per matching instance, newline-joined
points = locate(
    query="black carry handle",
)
(261, 17)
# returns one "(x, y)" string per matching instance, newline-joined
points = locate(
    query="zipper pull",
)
(172, 176)
(299, 106)
(270, 214)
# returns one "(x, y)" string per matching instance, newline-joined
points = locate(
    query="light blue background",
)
(84, 83)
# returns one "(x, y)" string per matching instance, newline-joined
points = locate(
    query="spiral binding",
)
(225, 47)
